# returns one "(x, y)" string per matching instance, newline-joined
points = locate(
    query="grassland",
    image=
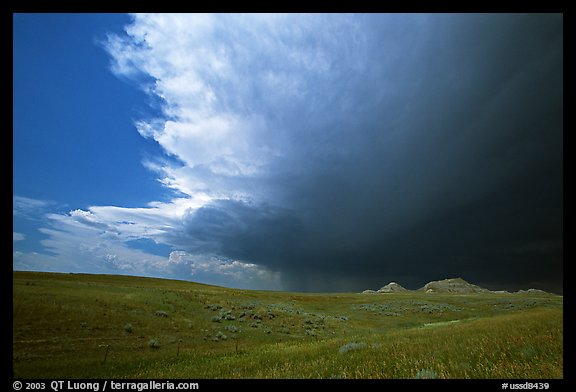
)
(97, 326)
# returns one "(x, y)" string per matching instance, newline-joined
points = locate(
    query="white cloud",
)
(18, 236)
(89, 244)
(225, 82)
(26, 207)
(232, 272)
(97, 241)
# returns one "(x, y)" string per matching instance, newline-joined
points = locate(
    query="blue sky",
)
(74, 138)
(307, 152)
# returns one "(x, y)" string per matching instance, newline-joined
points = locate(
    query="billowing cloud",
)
(213, 269)
(366, 146)
(99, 241)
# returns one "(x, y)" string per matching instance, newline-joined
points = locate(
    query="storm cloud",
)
(347, 151)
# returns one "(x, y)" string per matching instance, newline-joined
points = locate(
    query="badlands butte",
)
(108, 326)
(452, 285)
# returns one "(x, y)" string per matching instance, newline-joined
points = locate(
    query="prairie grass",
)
(65, 325)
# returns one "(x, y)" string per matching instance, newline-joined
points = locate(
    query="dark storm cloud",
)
(405, 148)
(457, 171)
(263, 234)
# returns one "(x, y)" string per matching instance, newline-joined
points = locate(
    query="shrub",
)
(352, 347)
(128, 327)
(154, 343)
(426, 374)
(232, 328)
(226, 315)
(220, 336)
(216, 319)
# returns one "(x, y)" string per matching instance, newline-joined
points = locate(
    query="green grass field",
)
(101, 326)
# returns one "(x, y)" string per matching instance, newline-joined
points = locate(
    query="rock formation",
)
(392, 287)
(532, 291)
(453, 285)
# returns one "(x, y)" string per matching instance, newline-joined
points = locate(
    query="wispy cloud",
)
(29, 208)
(98, 241)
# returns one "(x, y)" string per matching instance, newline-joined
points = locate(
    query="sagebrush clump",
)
(353, 346)
(154, 343)
(219, 336)
(232, 328)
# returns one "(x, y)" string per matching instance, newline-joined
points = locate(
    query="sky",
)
(322, 152)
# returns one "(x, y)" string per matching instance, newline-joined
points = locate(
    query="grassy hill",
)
(91, 326)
